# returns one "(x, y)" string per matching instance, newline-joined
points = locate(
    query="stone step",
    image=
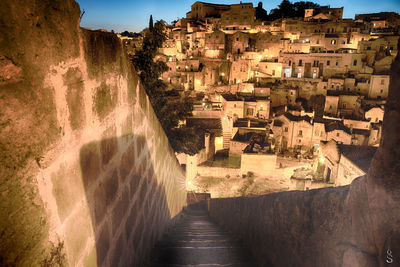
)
(197, 241)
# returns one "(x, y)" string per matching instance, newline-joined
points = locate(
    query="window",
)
(382, 82)
(337, 134)
(300, 133)
(237, 38)
(286, 129)
(290, 62)
(355, 62)
(300, 62)
(250, 111)
(273, 72)
(328, 63)
(337, 63)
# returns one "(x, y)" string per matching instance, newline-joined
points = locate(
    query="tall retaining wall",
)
(355, 225)
(87, 176)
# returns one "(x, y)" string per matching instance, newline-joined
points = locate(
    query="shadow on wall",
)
(128, 208)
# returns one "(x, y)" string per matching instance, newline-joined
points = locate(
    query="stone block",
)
(143, 191)
(67, 189)
(140, 145)
(78, 230)
(108, 148)
(131, 220)
(111, 186)
(127, 126)
(103, 244)
(99, 204)
(120, 209)
(117, 259)
(90, 164)
(127, 162)
(73, 81)
(134, 185)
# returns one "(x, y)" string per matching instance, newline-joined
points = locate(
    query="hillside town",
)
(301, 98)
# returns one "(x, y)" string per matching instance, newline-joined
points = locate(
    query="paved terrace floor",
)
(197, 241)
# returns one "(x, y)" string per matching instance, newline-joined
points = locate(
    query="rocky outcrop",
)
(87, 176)
(355, 225)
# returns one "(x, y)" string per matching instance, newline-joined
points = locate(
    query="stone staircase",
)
(226, 137)
(197, 241)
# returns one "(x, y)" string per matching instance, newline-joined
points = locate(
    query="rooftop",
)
(359, 155)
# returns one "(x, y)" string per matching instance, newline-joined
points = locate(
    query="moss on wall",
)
(74, 83)
(104, 100)
(33, 37)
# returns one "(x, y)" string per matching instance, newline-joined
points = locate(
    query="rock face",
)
(87, 176)
(355, 225)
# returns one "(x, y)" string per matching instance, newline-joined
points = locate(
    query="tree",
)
(169, 110)
(151, 23)
(288, 10)
(261, 13)
(300, 7)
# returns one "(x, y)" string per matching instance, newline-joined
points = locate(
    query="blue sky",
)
(133, 15)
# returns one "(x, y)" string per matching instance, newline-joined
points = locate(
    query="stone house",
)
(292, 131)
(350, 105)
(240, 71)
(379, 86)
(238, 17)
(336, 130)
(214, 44)
(239, 42)
(268, 69)
(331, 105)
(202, 10)
(283, 96)
(375, 114)
(245, 106)
(341, 163)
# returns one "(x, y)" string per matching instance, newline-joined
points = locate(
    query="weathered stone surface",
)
(103, 244)
(99, 204)
(108, 145)
(73, 81)
(111, 186)
(127, 162)
(90, 163)
(79, 228)
(59, 162)
(67, 189)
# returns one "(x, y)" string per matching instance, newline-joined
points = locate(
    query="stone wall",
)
(217, 171)
(262, 164)
(355, 225)
(87, 176)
